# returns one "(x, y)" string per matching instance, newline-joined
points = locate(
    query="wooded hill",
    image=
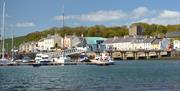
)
(98, 31)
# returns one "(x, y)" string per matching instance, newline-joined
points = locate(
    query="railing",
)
(66, 52)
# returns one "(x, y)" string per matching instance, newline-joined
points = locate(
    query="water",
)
(123, 76)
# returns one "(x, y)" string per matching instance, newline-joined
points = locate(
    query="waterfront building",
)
(135, 30)
(95, 43)
(137, 43)
(28, 47)
(52, 41)
(40, 45)
(74, 41)
(125, 43)
(148, 43)
(156, 44)
(176, 45)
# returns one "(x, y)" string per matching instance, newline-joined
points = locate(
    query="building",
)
(40, 45)
(137, 43)
(74, 41)
(135, 30)
(125, 43)
(95, 43)
(50, 43)
(28, 47)
(176, 45)
(156, 44)
(148, 43)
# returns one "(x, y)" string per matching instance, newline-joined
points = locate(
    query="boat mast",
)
(3, 31)
(63, 16)
(63, 22)
(12, 44)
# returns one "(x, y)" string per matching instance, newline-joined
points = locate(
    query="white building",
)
(28, 47)
(122, 43)
(176, 44)
(41, 45)
(148, 43)
(50, 42)
(130, 43)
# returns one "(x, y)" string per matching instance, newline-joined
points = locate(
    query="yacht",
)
(42, 59)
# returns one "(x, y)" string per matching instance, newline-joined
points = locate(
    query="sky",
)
(26, 16)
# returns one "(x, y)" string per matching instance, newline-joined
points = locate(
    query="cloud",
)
(140, 12)
(169, 14)
(99, 16)
(165, 17)
(25, 24)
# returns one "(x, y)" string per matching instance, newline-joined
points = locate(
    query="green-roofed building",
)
(95, 43)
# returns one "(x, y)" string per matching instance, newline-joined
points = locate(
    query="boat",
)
(103, 59)
(84, 58)
(42, 59)
(27, 59)
(61, 59)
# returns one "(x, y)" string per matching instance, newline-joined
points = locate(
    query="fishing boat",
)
(103, 59)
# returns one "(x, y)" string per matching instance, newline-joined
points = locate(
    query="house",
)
(74, 41)
(148, 43)
(156, 44)
(137, 43)
(125, 43)
(28, 47)
(40, 45)
(95, 43)
(50, 42)
(176, 45)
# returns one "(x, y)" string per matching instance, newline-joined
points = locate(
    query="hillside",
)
(97, 30)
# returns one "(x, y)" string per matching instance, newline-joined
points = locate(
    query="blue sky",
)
(25, 16)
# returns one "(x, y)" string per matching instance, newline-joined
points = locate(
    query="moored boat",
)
(103, 59)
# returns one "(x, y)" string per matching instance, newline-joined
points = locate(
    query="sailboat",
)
(3, 60)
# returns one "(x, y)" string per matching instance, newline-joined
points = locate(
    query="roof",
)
(109, 40)
(149, 40)
(173, 34)
(92, 40)
(156, 41)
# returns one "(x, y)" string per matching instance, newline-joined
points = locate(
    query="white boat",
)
(4, 61)
(83, 58)
(61, 59)
(42, 59)
(103, 59)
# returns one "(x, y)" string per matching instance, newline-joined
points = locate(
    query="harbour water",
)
(153, 75)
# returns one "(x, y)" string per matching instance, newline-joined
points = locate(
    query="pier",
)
(137, 54)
